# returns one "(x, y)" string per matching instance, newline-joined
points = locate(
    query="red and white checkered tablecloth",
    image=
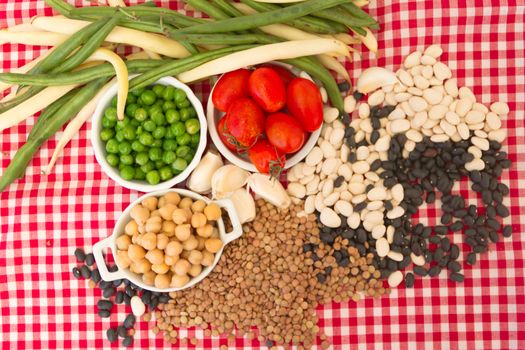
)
(44, 218)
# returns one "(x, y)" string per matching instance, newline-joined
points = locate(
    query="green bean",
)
(311, 66)
(208, 8)
(342, 16)
(81, 76)
(221, 39)
(62, 7)
(53, 123)
(261, 19)
(228, 8)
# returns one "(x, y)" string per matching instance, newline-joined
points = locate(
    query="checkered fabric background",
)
(44, 218)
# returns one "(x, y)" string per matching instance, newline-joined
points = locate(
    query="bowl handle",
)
(234, 218)
(101, 262)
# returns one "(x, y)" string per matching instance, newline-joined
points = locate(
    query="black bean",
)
(454, 252)
(104, 313)
(344, 86)
(104, 304)
(85, 272)
(456, 226)
(502, 210)
(104, 284)
(486, 196)
(352, 157)
(460, 213)
(420, 271)
(446, 219)
(471, 258)
(404, 263)
(507, 231)
(129, 321)
(469, 220)
(490, 211)
(427, 231)
(90, 259)
(127, 299)
(164, 298)
(494, 224)
(95, 275)
(503, 189)
(127, 342)
(475, 176)
(321, 278)
(345, 118)
(117, 283)
(108, 292)
(111, 334)
(80, 255)
(472, 210)
(122, 331)
(119, 299)
(441, 230)
(497, 197)
(493, 236)
(480, 248)
(435, 239)
(130, 291)
(457, 277)
(434, 271)
(76, 272)
(409, 280)
(431, 197)
(357, 95)
(438, 254)
(376, 164)
(454, 266)
(445, 244)
(360, 206)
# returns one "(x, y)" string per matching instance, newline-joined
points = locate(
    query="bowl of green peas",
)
(158, 143)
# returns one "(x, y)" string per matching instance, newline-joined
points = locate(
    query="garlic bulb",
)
(227, 179)
(269, 189)
(244, 205)
(374, 78)
(200, 179)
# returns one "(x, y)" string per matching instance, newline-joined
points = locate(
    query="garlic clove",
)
(227, 179)
(369, 40)
(244, 205)
(269, 189)
(374, 78)
(200, 179)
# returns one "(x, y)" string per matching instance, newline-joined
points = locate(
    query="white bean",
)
(413, 59)
(297, 190)
(395, 279)
(405, 77)
(349, 104)
(377, 194)
(451, 86)
(399, 126)
(434, 51)
(441, 71)
(482, 144)
(360, 167)
(328, 149)
(498, 135)
(500, 108)
(330, 218)
(428, 60)
(395, 213)
(439, 138)
(382, 247)
(493, 121)
(353, 220)
(337, 136)
(474, 117)
(344, 207)
(378, 231)
(463, 131)
(309, 205)
(331, 199)
(363, 110)
(330, 114)
(314, 157)
(437, 112)
(376, 98)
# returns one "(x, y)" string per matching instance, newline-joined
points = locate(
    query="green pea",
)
(169, 93)
(129, 132)
(183, 151)
(119, 136)
(158, 117)
(139, 174)
(169, 134)
(184, 114)
(148, 97)
(153, 177)
(159, 132)
(180, 95)
(112, 159)
(183, 104)
(172, 116)
(134, 123)
(149, 125)
(178, 129)
(106, 134)
(195, 139)
(137, 92)
(140, 114)
(108, 123)
(168, 157)
(127, 173)
(193, 112)
(189, 157)
(183, 139)
(169, 145)
(165, 173)
(157, 143)
(149, 166)
(114, 101)
(155, 154)
(124, 148)
(158, 90)
(167, 105)
(130, 99)
(137, 146)
(112, 146)
(111, 113)
(159, 164)
(179, 165)
(192, 126)
(146, 139)
(126, 159)
(121, 124)
(131, 109)
(140, 130)
(142, 158)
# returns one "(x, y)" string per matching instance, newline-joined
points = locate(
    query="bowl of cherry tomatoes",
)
(265, 119)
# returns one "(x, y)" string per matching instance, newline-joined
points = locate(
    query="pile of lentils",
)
(117, 292)
(270, 279)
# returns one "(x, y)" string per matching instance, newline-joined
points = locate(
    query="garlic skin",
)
(244, 205)
(269, 189)
(227, 179)
(374, 78)
(200, 179)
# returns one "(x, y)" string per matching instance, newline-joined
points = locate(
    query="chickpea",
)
(162, 241)
(135, 238)
(168, 227)
(215, 233)
(185, 203)
(183, 232)
(155, 256)
(172, 197)
(198, 206)
(122, 259)
(213, 245)
(195, 257)
(162, 281)
(149, 278)
(150, 203)
(161, 202)
(123, 242)
(198, 220)
(154, 214)
(131, 228)
(207, 258)
(185, 254)
(201, 240)
(160, 268)
(179, 216)
(191, 243)
(142, 229)
(205, 231)
(149, 241)
(170, 260)
(141, 266)
(154, 224)
(136, 253)
(195, 270)
(182, 267)
(212, 212)
(140, 214)
(167, 211)
(173, 248)
(179, 281)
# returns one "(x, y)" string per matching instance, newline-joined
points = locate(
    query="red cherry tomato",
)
(245, 122)
(305, 103)
(267, 89)
(284, 132)
(224, 134)
(230, 87)
(284, 73)
(266, 158)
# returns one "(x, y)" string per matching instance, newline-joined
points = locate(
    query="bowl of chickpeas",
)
(168, 240)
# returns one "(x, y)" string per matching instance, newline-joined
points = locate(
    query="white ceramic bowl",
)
(242, 161)
(144, 186)
(109, 242)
